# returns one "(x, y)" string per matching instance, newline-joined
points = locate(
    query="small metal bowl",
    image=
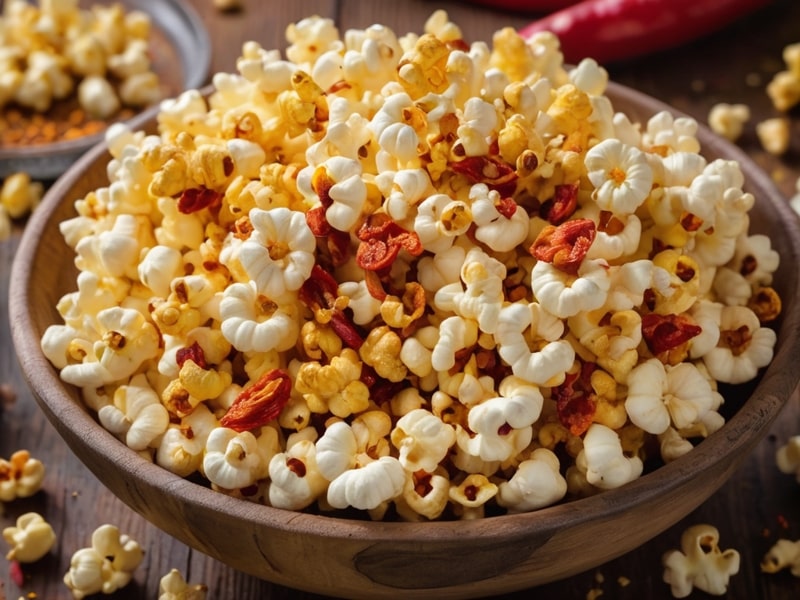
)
(181, 55)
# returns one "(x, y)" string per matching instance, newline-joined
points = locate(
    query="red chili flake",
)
(259, 403)
(422, 483)
(507, 207)
(196, 199)
(662, 333)
(381, 242)
(15, 573)
(317, 222)
(562, 205)
(194, 353)
(491, 170)
(319, 292)
(296, 466)
(565, 245)
(381, 390)
(576, 401)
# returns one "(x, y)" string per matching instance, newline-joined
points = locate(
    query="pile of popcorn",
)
(55, 50)
(414, 277)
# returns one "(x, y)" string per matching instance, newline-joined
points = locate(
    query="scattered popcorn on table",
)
(30, 539)
(700, 563)
(784, 554)
(174, 587)
(728, 120)
(784, 88)
(105, 566)
(774, 135)
(20, 477)
(413, 277)
(788, 457)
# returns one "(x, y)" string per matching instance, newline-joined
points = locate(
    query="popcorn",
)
(728, 120)
(30, 539)
(700, 563)
(783, 554)
(104, 567)
(173, 586)
(20, 477)
(788, 457)
(394, 274)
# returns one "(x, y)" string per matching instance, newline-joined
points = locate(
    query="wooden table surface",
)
(755, 508)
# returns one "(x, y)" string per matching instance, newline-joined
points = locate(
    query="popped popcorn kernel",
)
(774, 135)
(411, 276)
(173, 586)
(728, 120)
(30, 539)
(105, 566)
(700, 563)
(21, 476)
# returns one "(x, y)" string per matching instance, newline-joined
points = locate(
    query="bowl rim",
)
(740, 432)
(182, 26)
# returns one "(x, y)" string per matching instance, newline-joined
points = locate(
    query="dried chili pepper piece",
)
(493, 171)
(194, 353)
(562, 205)
(576, 401)
(663, 333)
(260, 403)
(193, 200)
(565, 245)
(316, 221)
(381, 242)
(507, 207)
(319, 293)
(381, 390)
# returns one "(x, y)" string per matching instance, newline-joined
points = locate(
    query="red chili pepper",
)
(320, 292)
(662, 333)
(610, 30)
(194, 353)
(259, 403)
(531, 6)
(566, 245)
(195, 199)
(576, 402)
(562, 205)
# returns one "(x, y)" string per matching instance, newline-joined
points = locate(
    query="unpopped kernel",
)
(412, 276)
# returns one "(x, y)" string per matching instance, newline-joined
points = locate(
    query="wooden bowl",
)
(352, 558)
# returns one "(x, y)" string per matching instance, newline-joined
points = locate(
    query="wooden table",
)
(755, 508)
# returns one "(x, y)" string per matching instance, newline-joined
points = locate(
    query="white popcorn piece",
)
(30, 539)
(728, 120)
(775, 135)
(787, 457)
(603, 460)
(233, 460)
(620, 174)
(182, 446)
(296, 479)
(136, 415)
(784, 554)
(700, 563)
(253, 322)
(495, 229)
(565, 295)
(173, 586)
(439, 220)
(660, 396)
(540, 368)
(369, 486)
(482, 297)
(747, 346)
(98, 97)
(422, 439)
(426, 494)
(104, 567)
(537, 483)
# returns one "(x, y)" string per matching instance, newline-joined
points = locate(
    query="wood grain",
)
(755, 507)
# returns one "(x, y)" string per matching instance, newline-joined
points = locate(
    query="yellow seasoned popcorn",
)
(412, 276)
(51, 50)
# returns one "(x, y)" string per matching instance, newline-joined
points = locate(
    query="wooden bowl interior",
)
(355, 558)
